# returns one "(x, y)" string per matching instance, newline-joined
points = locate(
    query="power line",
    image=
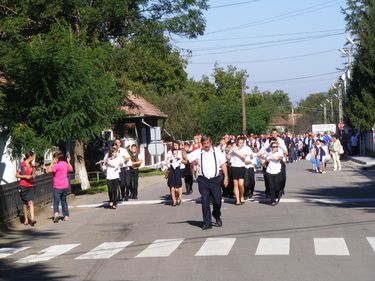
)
(232, 4)
(264, 46)
(269, 42)
(287, 15)
(271, 59)
(295, 78)
(261, 36)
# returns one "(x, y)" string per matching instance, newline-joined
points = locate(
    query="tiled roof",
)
(136, 106)
(278, 121)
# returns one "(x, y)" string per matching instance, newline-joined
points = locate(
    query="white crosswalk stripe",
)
(105, 250)
(48, 253)
(216, 247)
(331, 247)
(213, 246)
(273, 246)
(160, 248)
(6, 252)
(371, 240)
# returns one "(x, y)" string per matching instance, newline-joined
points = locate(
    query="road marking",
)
(331, 247)
(273, 247)
(371, 240)
(48, 253)
(216, 247)
(105, 250)
(6, 252)
(229, 200)
(160, 248)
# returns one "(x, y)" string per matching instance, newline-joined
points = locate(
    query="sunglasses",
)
(274, 146)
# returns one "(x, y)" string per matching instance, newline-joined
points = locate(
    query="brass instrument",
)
(134, 159)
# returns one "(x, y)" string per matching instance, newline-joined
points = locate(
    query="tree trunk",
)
(79, 165)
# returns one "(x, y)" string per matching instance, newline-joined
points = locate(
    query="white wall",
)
(8, 166)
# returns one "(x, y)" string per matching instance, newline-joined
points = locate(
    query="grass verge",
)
(99, 186)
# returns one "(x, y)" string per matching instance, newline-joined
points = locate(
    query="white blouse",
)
(274, 166)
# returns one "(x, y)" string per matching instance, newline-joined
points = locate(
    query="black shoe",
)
(205, 227)
(219, 222)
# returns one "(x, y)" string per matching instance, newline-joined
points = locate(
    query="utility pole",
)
(243, 106)
(331, 109)
(293, 116)
(340, 89)
(325, 112)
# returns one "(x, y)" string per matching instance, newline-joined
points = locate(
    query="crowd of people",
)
(226, 169)
(243, 155)
(247, 153)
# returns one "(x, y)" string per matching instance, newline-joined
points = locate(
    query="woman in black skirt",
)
(174, 178)
(27, 191)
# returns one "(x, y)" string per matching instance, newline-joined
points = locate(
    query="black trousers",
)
(210, 189)
(133, 180)
(266, 181)
(275, 185)
(188, 183)
(124, 182)
(249, 182)
(113, 190)
(283, 175)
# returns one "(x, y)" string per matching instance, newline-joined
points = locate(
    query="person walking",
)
(211, 167)
(112, 167)
(337, 149)
(124, 171)
(274, 173)
(27, 190)
(239, 154)
(174, 177)
(60, 169)
(188, 172)
(134, 170)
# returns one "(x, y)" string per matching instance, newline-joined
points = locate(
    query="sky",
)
(291, 45)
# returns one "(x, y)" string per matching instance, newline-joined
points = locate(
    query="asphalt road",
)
(323, 229)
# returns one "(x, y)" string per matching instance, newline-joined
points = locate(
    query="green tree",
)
(107, 19)
(60, 92)
(360, 98)
(229, 82)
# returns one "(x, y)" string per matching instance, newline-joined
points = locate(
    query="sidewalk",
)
(362, 160)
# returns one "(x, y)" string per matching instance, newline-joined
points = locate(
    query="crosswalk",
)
(215, 246)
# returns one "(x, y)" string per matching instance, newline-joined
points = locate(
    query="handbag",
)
(308, 157)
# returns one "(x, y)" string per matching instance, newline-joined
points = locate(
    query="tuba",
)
(133, 158)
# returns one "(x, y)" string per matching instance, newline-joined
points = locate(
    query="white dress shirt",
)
(206, 161)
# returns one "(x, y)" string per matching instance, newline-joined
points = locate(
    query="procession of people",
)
(227, 169)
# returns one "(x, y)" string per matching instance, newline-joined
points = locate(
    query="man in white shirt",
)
(211, 166)
(124, 156)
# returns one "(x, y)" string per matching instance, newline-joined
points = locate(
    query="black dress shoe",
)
(205, 227)
(219, 222)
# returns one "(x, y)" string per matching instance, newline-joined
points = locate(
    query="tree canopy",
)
(360, 98)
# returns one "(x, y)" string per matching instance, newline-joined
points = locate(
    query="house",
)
(279, 123)
(139, 121)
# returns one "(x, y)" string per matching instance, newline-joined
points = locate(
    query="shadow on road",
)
(9, 270)
(360, 190)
